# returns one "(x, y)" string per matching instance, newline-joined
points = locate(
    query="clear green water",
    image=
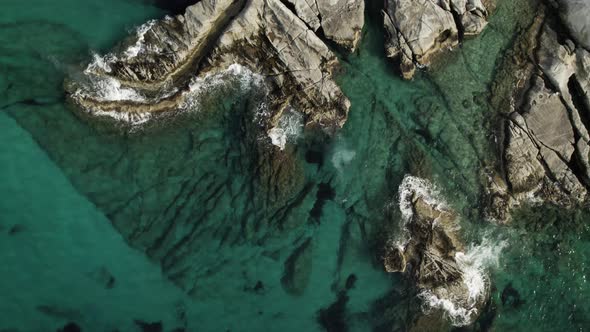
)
(67, 185)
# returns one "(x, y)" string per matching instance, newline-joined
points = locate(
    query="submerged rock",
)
(418, 30)
(298, 269)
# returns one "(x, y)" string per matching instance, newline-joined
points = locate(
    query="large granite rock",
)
(547, 141)
(540, 140)
(162, 68)
(574, 14)
(433, 255)
(340, 20)
(419, 29)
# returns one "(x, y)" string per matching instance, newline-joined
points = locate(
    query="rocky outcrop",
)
(418, 30)
(168, 61)
(432, 254)
(546, 152)
(341, 20)
(574, 14)
(260, 60)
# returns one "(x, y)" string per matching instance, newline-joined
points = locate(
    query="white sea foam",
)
(234, 74)
(139, 46)
(414, 186)
(106, 88)
(474, 265)
(240, 79)
(134, 119)
(99, 63)
(288, 129)
(342, 155)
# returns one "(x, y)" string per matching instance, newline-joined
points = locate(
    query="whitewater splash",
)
(414, 186)
(411, 187)
(342, 156)
(458, 299)
(474, 264)
(238, 79)
(139, 46)
(288, 129)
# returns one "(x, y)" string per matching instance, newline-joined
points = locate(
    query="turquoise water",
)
(88, 211)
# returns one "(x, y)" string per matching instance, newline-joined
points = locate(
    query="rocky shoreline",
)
(545, 148)
(290, 49)
(265, 36)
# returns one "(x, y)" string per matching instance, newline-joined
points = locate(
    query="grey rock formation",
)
(547, 146)
(540, 140)
(341, 20)
(263, 60)
(418, 30)
(574, 14)
(431, 254)
(156, 70)
(524, 170)
(308, 11)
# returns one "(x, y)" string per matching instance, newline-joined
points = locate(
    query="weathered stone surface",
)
(541, 144)
(417, 30)
(308, 11)
(574, 14)
(547, 151)
(265, 36)
(472, 13)
(342, 20)
(524, 170)
(548, 121)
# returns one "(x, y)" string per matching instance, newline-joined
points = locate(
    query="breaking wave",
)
(288, 129)
(237, 78)
(474, 265)
(412, 186)
(139, 46)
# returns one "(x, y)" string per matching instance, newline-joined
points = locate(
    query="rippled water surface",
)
(73, 190)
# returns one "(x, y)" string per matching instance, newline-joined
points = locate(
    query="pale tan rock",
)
(342, 21)
(419, 29)
(524, 170)
(308, 11)
(264, 36)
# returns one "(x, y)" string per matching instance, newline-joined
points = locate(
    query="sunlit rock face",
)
(155, 71)
(574, 14)
(451, 280)
(546, 150)
(418, 30)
